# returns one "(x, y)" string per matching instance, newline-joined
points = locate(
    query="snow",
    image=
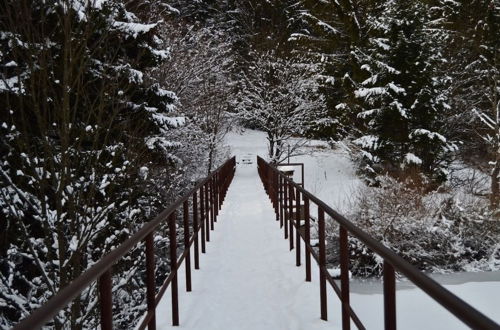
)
(248, 278)
(288, 168)
(367, 141)
(429, 134)
(11, 84)
(416, 310)
(329, 174)
(134, 29)
(412, 159)
(368, 92)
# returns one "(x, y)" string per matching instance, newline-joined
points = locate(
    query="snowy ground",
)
(248, 278)
(329, 174)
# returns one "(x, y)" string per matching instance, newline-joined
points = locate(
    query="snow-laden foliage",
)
(204, 83)
(403, 101)
(473, 69)
(280, 96)
(85, 135)
(435, 232)
(328, 31)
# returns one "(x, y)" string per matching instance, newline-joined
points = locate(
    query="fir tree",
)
(402, 98)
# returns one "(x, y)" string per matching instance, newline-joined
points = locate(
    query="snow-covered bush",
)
(435, 232)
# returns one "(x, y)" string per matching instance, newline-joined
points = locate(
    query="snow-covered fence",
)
(207, 198)
(288, 198)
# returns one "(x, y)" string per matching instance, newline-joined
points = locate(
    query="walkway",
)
(248, 278)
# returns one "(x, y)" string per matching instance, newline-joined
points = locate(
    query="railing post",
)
(212, 205)
(297, 229)
(207, 212)
(290, 213)
(186, 245)
(172, 233)
(280, 187)
(344, 277)
(202, 220)
(216, 195)
(322, 263)
(150, 280)
(285, 208)
(195, 231)
(276, 195)
(389, 296)
(106, 300)
(219, 190)
(307, 234)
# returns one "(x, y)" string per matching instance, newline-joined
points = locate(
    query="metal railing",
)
(208, 195)
(286, 196)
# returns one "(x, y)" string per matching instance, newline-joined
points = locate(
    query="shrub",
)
(433, 231)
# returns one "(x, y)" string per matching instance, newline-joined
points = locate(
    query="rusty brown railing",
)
(286, 196)
(209, 195)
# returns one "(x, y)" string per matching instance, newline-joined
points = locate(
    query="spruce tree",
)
(402, 99)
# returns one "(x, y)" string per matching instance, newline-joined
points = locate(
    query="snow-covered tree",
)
(82, 134)
(203, 81)
(474, 73)
(403, 98)
(280, 96)
(328, 32)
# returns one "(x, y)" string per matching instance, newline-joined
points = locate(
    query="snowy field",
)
(248, 278)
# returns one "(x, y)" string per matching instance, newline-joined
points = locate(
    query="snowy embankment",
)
(248, 278)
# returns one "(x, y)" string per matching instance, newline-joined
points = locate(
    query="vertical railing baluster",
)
(322, 263)
(280, 187)
(389, 296)
(219, 189)
(106, 300)
(212, 206)
(150, 280)
(202, 220)
(290, 220)
(186, 245)
(307, 234)
(286, 211)
(271, 186)
(207, 212)
(344, 277)
(297, 229)
(172, 233)
(276, 195)
(216, 194)
(195, 231)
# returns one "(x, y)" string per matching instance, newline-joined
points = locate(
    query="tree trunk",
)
(272, 143)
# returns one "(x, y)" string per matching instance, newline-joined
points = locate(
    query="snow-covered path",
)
(248, 278)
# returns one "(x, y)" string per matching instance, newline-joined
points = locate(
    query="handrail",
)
(214, 187)
(283, 192)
